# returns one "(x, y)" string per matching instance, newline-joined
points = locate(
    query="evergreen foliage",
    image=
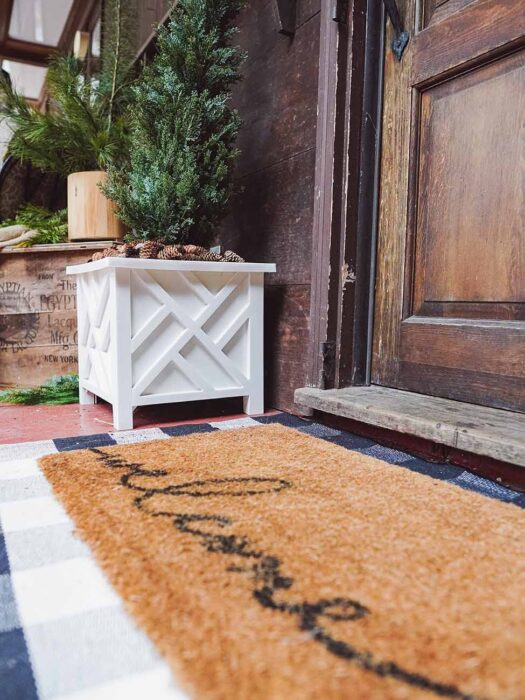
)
(50, 227)
(55, 392)
(119, 41)
(178, 183)
(84, 127)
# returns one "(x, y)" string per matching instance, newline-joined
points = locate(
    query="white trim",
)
(182, 265)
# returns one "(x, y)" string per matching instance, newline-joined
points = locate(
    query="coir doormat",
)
(265, 563)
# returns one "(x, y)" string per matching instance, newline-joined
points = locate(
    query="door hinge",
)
(328, 355)
(401, 37)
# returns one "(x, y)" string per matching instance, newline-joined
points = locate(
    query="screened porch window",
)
(28, 80)
(39, 21)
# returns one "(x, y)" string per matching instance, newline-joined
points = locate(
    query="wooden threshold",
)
(489, 432)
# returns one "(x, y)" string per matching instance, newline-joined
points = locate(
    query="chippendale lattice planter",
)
(158, 331)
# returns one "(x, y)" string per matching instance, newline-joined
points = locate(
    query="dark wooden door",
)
(450, 288)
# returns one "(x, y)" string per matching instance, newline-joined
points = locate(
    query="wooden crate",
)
(38, 321)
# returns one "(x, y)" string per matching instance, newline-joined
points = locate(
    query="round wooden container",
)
(90, 215)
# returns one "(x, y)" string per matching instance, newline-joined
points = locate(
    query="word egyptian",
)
(271, 587)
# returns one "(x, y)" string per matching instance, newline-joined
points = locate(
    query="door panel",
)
(470, 199)
(450, 293)
(476, 34)
(435, 11)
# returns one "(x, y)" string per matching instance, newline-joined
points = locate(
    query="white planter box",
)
(157, 331)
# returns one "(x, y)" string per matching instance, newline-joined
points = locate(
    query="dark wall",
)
(271, 219)
(149, 13)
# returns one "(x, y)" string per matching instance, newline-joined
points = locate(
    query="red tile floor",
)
(29, 423)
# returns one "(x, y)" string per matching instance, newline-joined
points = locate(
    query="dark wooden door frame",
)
(346, 192)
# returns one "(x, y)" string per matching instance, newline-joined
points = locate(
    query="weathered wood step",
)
(484, 431)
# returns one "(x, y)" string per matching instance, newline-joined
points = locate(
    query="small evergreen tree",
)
(179, 181)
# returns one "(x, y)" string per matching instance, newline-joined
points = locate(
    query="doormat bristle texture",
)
(265, 563)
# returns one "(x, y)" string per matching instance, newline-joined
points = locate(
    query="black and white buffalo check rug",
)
(64, 634)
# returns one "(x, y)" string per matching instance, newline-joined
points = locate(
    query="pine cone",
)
(191, 256)
(150, 249)
(194, 250)
(129, 250)
(170, 252)
(110, 253)
(230, 256)
(211, 257)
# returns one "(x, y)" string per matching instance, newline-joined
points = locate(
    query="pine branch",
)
(116, 60)
(119, 43)
(51, 227)
(84, 128)
(56, 391)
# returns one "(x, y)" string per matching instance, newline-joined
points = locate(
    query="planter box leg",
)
(253, 404)
(85, 397)
(121, 350)
(123, 416)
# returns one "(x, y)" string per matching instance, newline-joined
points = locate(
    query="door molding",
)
(346, 193)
